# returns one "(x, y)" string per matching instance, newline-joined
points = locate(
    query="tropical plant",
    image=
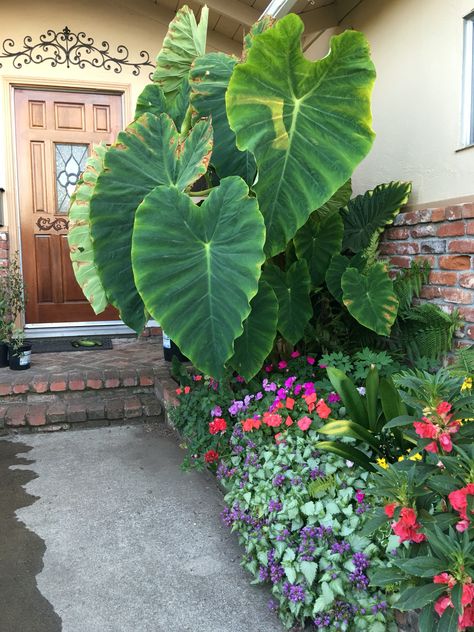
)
(285, 136)
(12, 298)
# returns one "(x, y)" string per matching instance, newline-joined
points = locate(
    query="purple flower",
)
(258, 396)
(309, 388)
(269, 386)
(274, 505)
(316, 473)
(297, 389)
(293, 592)
(333, 398)
(278, 480)
(359, 495)
(340, 547)
(281, 393)
(290, 381)
(263, 574)
(216, 411)
(296, 481)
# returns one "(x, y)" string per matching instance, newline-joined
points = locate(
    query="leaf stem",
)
(203, 193)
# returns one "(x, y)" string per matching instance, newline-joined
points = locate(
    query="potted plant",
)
(19, 351)
(11, 305)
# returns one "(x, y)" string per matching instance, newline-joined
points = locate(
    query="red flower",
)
(217, 425)
(197, 378)
(390, 509)
(251, 424)
(187, 389)
(425, 430)
(304, 423)
(444, 578)
(467, 619)
(289, 404)
(445, 442)
(443, 408)
(407, 526)
(323, 409)
(273, 420)
(211, 456)
(458, 500)
(178, 391)
(442, 603)
(288, 421)
(467, 594)
(432, 447)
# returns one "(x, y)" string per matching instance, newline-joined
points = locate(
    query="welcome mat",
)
(57, 345)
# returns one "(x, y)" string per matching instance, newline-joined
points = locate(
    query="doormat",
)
(57, 345)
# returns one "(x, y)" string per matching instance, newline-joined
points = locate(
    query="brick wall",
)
(445, 238)
(3, 251)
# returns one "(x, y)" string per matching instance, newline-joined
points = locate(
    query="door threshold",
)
(98, 328)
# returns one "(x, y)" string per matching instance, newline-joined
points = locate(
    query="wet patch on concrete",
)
(23, 608)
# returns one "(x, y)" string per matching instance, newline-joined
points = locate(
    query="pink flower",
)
(390, 509)
(467, 594)
(289, 404)
(269, 368)
(445, 442)
(425, 430)
(444, 578)
(467, 619)
(282, 364)
(310, 360)
(359, 496)
(295, 354)
(462, 525)
(288, 421)
(443, 408)
(273, 420)
(458, 500)
(407, 526)
(323, 409)
(432, 447)
(187, 389)
(304, 423)
(443, 603)
(197, 378)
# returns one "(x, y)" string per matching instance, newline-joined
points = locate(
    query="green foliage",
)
(276, 114)
(12, 299)
(408, 284)
(463, 365)
(79, 237)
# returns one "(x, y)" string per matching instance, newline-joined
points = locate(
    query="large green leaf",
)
(351, 398)
(209, 78)
(307, 123)
(266, 22)
(151, 99)
(337, 266)
(336, 202)
(197, 267)
(347, 428)
(292, 289)
(317, 241)
(370, 298)
(147, 154)
(79, 238)
(346, 452)
(371, 212)
(256, 341)
(184, 41)
(418, 596)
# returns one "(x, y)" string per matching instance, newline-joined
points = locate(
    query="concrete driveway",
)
(100, 531)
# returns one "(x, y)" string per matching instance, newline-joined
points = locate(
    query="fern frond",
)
(427, 331)
(463, 365)
(322, 485)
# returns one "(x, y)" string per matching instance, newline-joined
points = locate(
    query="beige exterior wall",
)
(417, 47)
(137, 24)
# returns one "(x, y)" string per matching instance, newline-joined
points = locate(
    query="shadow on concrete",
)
(22, 606)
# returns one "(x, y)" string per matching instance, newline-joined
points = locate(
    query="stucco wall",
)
(417, 50)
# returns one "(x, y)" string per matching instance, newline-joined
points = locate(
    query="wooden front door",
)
(54, 134)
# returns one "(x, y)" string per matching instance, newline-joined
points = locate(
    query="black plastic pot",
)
(170, 350)
(3, 354)
(20, 359)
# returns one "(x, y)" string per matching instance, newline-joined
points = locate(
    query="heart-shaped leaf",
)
(209, 78)
(197, 267)
(370, 298)
(147, 154)
(371, 212)
(184, 41)
(266, 22)
(317, 241)
(307, 123)
(292, 290)
(151, 99)
(258, 336)
(79, 238)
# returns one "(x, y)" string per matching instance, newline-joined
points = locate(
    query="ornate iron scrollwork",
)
(57, 224)
(72, 49)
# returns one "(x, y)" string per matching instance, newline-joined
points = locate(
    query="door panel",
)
(55, 132)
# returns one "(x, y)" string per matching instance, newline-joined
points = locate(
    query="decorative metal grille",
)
(70, 163)
(71, 49)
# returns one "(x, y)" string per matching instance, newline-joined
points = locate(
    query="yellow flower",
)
(383, 463)
(467, 384)
(401, 458)
(416, 457)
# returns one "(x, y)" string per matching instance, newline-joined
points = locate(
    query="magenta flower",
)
(359, 496)
(290, 381)
(310, 360)
(295, 354)
(333, 398)
(282, 364)
(269, 368)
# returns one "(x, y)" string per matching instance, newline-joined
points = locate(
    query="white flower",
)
(361, 390)
(349, 463)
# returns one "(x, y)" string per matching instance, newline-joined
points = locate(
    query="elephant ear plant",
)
(274, 136)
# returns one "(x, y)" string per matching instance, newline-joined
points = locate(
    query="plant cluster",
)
(12, 302)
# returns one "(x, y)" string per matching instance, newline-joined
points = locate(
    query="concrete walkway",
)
(128, 542)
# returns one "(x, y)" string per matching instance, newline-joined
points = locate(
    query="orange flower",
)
(289, 404)
(250, 424)
(323, 409)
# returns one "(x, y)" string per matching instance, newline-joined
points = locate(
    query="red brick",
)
(111, 379)
(36, 415)
(20, 388)
(443, 278)
(58, 383)
(467, 280)
(39, 385)
(455, 263)
(76, 383)
(16, 416)
(155, 331)
(94, 380)
(468, 211)
(453, 212)
(455, 295)
(95, 410)
(430, 292)
(76, 413)
(417, 217)
(435, 246)
(5, 389)
(399, 248)
(469, 228)
(132, 407)
(426, 230)
(438, 215)
(146, 378)
(461, 245)
(56, 412)
(400, 262)
(114, 409)
(396, 233)
(128, 377)
(467, 314)
(429, 259)
(454, 229)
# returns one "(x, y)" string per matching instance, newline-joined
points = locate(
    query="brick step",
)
(66, 409)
